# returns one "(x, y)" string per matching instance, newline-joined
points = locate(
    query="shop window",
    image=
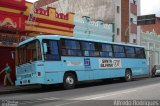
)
(118, 31)
(118, 9)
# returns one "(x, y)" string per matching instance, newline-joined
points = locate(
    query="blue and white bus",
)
(54, 59)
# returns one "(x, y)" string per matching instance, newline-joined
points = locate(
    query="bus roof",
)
(58, 37)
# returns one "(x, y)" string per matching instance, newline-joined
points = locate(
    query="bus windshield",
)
(29, 52)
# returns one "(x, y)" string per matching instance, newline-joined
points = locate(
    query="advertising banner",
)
(110, 63)
(11, 22)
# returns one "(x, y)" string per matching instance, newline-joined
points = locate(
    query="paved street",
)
(90, 93)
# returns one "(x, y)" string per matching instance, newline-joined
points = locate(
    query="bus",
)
(55, 59)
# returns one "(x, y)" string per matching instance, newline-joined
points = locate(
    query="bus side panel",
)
(54, 77)
(138, 66)
(84, 75)
(88, 68)
(108, 73)
(101, 72)
(54, 72)
(77, 64)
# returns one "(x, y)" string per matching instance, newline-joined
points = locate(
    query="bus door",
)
(51, 56)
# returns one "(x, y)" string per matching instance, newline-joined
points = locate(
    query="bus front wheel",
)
(69, 81)
(128, 75)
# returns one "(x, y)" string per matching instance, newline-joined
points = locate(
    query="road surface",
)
(109, 93)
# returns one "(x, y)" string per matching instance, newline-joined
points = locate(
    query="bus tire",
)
(69, 81)
(128, 75)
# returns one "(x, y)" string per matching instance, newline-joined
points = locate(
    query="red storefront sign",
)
(11, 21)
(15, 4)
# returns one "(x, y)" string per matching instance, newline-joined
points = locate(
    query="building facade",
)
(123, 13)
(95, 9)
(150, 39)
(85, 28)
(126, 29)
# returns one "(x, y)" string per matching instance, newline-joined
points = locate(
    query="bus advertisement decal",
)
(87, 63)
(70, 63)
(110, 63)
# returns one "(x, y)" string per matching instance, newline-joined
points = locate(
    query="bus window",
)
(119, 51)
(89, 48)
(106, 50)
(70, 47)
(52, 50)
(29, 52)
(22, 54)
(130, 52)
(140, 53)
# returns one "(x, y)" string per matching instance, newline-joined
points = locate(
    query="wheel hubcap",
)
(69, 80)
(128, 76)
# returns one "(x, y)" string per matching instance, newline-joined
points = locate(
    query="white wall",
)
(131, 15)
(117, 20)
(95, 9)
(139, 27)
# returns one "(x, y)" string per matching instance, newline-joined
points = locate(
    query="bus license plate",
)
(24, 81)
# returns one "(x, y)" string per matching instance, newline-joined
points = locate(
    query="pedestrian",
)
(7, 71)
(153, 71)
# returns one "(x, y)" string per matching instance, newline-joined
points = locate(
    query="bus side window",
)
(89, 48)
(130, 52)
(140, 53)
(70, 47)
(106, 50)
(119, 51)
(52, 50)
(64, 52)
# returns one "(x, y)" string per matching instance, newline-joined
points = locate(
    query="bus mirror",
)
(45, 48)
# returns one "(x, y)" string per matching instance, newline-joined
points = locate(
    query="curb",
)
(17, 90)
(10, 91)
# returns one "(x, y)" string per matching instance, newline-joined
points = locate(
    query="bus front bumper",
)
(30, 81)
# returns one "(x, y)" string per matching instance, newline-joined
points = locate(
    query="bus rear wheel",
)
(128, 76)
(69, 81)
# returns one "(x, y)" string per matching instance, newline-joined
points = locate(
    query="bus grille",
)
(26, 76)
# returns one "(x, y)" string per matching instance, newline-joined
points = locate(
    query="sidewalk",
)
(15, 89)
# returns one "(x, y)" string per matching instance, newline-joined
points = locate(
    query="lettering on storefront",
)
(19, 3)
(19, 0)
(9, 23)
(110, 63)
(9, 40)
